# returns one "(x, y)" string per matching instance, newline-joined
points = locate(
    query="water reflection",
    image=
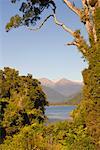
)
(55, 113)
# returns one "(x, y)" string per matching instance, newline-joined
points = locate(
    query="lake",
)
(59, 113)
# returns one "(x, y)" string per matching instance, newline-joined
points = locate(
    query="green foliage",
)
(30, 137)
(22, 97)
(15, 21)
(88, 112)
(31, 11)
(59, 136)
(22, 101)
(70, 135)
(22, 104)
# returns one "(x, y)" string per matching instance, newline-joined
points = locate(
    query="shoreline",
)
(61, 104)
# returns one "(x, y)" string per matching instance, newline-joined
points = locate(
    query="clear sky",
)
(42, 53)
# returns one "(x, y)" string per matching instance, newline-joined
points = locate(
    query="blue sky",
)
(42, 53)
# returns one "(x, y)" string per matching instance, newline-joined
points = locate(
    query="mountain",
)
(46, 82)
(53, 96)
(67, 87)
(62, 90)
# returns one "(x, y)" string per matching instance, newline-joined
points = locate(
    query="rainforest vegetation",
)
(22, 100)
(23, 121)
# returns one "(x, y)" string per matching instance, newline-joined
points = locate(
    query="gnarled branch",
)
(79, 41)
(56, 22)
(35, 29)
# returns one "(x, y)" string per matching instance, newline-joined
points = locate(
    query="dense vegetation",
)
(22, 102)
(81, 134)
(59, 136)
(22, 115)
(22, 120)
(88, 112)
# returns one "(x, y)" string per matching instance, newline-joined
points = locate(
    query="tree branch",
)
(35, 29)
(73, 43)
(72, 7)
(63, 25)
(56, 22)
(78, 45)
(84, 2)
(84, 16)
(79, 41)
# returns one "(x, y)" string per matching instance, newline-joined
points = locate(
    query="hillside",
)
(53, 96)
(67, 87)
(75, 100)
(61, 91)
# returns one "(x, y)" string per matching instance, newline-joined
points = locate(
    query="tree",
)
(88, 111)
(22, 102)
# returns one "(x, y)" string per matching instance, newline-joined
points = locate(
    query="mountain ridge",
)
(60, 90)
(55, 81)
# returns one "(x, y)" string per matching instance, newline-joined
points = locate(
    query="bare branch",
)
(84, 16)
(73, 43)
(56, 22)
(79, 41)
(73, 8)
(63, 26)
(78, 45)
(35, 29)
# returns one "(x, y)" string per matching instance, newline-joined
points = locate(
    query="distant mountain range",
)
(61, 91)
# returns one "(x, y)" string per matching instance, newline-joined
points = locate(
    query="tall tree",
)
(88, 111)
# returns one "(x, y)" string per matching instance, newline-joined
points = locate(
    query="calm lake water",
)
(58, 113)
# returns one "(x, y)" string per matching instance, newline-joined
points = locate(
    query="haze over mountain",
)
(60, 90)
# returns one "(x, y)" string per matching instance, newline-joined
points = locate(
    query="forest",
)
(22, 101)
(23, 121)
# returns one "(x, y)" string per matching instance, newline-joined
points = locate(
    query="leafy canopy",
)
(31, 12)
(22, 101)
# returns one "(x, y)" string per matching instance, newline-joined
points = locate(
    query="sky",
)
(43, 53)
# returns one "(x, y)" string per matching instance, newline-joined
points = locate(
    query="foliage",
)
(88, 112)
(22, 113)
(22, 101)
(84, 131)
(31, 11)
(59, 136)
